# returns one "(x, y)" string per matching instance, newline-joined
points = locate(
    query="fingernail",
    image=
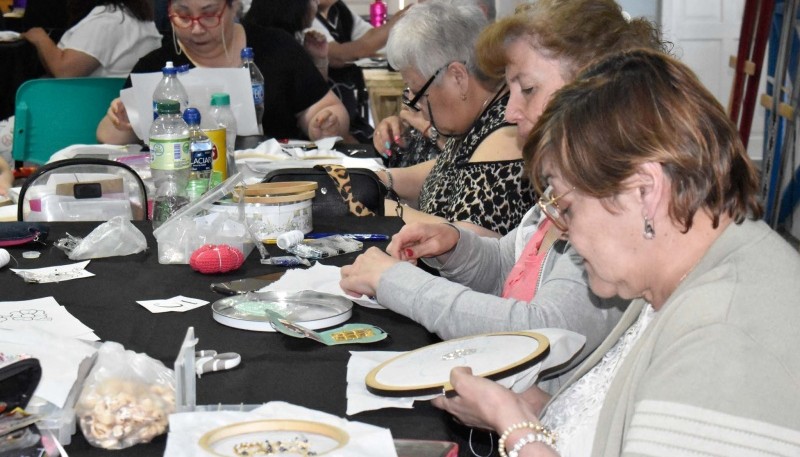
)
(409, 253)
(397, 139)
(388, 152)
(387, 145)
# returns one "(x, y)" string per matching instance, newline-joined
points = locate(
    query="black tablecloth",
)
(274, 366)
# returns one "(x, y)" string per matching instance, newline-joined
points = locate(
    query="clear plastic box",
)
(196, 224)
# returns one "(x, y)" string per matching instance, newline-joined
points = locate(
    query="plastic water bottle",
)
(170, 88)
(222, 116)
(377, 13)
(201, 149)
(257, 82)
(169, 160)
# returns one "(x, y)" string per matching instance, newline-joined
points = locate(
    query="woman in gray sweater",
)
(516, 282)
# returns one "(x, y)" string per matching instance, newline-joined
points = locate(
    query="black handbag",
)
(339, 189)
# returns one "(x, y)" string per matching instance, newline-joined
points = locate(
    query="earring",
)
(649, 231)
(463, 97)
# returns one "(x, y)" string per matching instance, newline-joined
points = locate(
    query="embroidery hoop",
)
(491, 355)
(208, 441)
(314, 310)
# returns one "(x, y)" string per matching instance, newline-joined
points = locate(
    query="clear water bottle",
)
(170, 88)
(377, 13)
(257, 82)
(169, 160)
(201, 150)
(222, 116)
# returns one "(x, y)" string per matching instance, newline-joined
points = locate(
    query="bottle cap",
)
(191, 116)
(168, 107)
(289, 239)
(220, 99)
(169, 69)
(247, 53)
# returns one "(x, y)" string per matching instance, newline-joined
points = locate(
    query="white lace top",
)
(573, 415)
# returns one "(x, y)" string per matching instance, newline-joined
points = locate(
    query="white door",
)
(706, 34)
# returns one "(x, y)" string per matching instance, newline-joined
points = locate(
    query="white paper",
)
(319, 278)
(177, 304)
(59, 358)
(59, 273)
(564, 344)
(186, 429)
(199, 83)
(44, 314)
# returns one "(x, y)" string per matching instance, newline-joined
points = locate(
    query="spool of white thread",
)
(5, 257)
(288, 239)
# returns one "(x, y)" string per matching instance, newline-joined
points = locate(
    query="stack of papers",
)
(43, 314)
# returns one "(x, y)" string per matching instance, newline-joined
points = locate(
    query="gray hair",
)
(434, 33)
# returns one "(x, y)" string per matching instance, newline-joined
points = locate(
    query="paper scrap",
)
(177, 304)
(54, 274)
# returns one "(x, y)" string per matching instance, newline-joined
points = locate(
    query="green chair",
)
(54, 113)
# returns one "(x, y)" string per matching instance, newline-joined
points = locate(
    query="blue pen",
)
(355, 236)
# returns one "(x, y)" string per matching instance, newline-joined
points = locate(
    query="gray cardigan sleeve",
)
(471, 306)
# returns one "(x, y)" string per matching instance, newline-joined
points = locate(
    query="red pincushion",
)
(211, 258)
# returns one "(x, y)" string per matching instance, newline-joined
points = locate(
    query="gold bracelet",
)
(540, 434)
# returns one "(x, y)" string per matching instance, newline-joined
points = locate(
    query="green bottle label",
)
(170, 154)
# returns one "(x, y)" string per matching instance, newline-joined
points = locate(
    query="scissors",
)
(208, 361)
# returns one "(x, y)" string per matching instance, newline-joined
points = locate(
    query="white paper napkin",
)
(319, 278)
(563, 345)
(186, 429)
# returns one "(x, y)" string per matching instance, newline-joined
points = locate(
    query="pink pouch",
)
(18, 233)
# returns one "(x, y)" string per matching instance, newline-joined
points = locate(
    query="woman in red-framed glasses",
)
(204, 34)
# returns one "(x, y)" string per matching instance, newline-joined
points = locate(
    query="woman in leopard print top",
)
(478, 177)
(492, 194)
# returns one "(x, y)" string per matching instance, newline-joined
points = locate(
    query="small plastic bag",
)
(322, 248)
(126, 399)
(116, 237)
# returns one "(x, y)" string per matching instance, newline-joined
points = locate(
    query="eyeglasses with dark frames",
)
(414, 102)
(549, 205)
(207, 21)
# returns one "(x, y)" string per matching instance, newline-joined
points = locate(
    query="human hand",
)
(118, 115)
(423, 240)
(482, 403)
(362, 277)
(315, 44)
(324, 124)
(35, 35)
(415, 119)
(388, 132)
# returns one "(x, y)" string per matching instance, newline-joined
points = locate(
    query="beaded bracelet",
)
(540, 434)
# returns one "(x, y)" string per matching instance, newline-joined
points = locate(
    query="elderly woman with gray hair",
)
(478, 177)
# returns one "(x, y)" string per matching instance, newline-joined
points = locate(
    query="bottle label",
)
(201, 160)
(169, 154)
(258, 94)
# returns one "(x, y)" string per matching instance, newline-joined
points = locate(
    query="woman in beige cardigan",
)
(657, 194)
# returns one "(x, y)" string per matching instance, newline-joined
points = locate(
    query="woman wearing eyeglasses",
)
(108, 38)
(663, 206)
(529, 278)
(478, 174)
(297, 100)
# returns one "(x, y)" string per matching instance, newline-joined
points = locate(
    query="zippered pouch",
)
(18, 233)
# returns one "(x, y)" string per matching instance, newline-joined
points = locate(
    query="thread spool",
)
(289, 239)
(5, 257)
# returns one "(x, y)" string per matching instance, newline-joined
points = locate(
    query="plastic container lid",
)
(168, 106)
(247, 53)
(220, 99)
(192, 116)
